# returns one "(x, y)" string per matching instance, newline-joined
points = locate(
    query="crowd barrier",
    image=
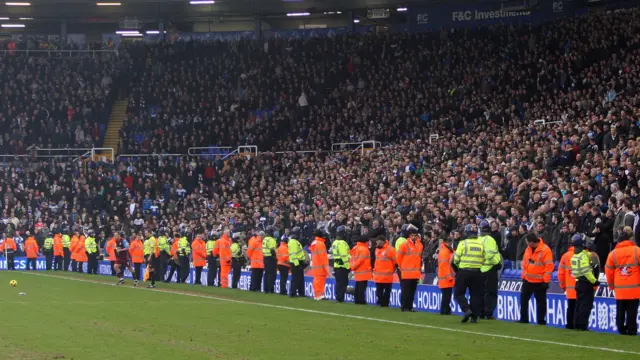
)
(603, 315)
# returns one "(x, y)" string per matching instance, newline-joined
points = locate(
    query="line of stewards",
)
(623, 276)
(383, 270)
(582, 270)
(298, 260)
(212, 261)
(31, 249)
(409, 258)
(319, 265)
(199, 257)
(360, 263)
(537, 267)
(58, 252)
(270, 261)
(284, 268)
(136, 251)
(446, 275)
(9, 247)
(254, 251)
(341, 258)
(222, 250)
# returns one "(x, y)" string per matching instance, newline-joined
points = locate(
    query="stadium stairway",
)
(112, 135)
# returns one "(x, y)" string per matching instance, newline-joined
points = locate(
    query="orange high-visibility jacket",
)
(360, 262)
(385, 266)
(565, 277)
(174, 247)
(81, 253)
(623, 271)
(283, 254)
(254, 252)
(9, 244)
(409, 259)
(58, 250)
(111, 249)
(31, 248)
(541, 268)
(222, 249)
(446, 277)
(73, 246)
(199, 252)
(136, 250)
(319, 257)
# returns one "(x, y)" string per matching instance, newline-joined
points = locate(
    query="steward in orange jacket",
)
(81, 253)
(446, 275)
(383, 270)
(9, 247)
(110, 249)
(72, 248)
(283, 265)
(319, 265)
(254, 252)
(568, 284)
(174, 263)
(222, 249)
(58, 252)
(31, 249)
(199, 257)
(537, 267)
(623, 276)
(136, 250)
(360, 263)
(409, 259)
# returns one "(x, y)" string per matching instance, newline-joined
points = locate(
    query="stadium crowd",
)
(479, 91)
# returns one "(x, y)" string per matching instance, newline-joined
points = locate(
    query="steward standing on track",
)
(446, 275)
(9, 248)
(151, 255)
(319, 265)
(270, 261)
(136, 250)
(360, 263)
(31, 250)
(409, 257)
(212, 261)
(92, 253)
(468, 260)
(254, 251)
(623, 276)
(222, 250)
(384, 270)
(586, 280)
(283, 265)
(567, 281)
(47, 249)
(340, 253)
(238, 260)
(58, 253)
(183, 254)
(199, 255)
(298, 264)
(66, 248)
(490, 271)
(537, 267)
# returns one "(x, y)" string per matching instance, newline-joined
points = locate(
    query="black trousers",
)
(270, 269)
(11, 263)
(342, 281)
(113, 270)
(173, 268)
(184, 268)
(445, 302)
(66, 259)
(80, 266)
(409, 287)
(138, 268)
(297, 281)
(490, 300)
(164, 264)
(360, 295)
(383, 293)
(236, 267)
(584, 303)
(212, 270)
(540, 293)
(92, 263)
(284, 276)
(57, 262)
(198, 280)
(256, 279)
(473, 280)
(626, 315)
(31, 264)
(571, 309)
(74, 266)
(48, 259)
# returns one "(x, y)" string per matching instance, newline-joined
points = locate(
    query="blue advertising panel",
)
(603, 315)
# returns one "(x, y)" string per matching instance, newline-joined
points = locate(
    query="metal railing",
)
(355, 146)
(209, 150)
(544, 122)
(433, 137)
(133, 157)
(50, 52)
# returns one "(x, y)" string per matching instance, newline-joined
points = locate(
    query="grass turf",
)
(60, 318)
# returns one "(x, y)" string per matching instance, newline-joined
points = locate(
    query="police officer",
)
(490, 271)
(66, 243)
(238, 260)
(91, 247)
(468, 261)
(298, 263)
(212, 261)
(582, 270)
(270, 261)
(183, 254)
(47, 249)
(340, 254)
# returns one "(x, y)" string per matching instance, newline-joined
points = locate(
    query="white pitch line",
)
(423, 326)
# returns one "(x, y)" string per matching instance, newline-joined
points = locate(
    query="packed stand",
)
(51, 100)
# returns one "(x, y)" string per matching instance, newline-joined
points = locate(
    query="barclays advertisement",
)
(481, 14)
(603, 315)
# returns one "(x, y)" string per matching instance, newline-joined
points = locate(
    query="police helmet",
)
(577, 240)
